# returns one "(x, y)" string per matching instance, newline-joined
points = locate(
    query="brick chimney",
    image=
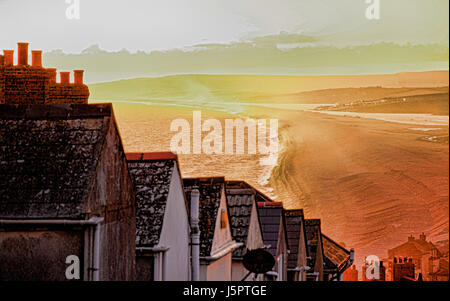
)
(36, 58)
(9, 57)
(65, 77)
(423, 237)
(52, 73)
(411, 238)
(22, 54)
(78, 77)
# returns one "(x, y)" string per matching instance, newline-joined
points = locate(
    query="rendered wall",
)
(112, 197)
(219, 270)
(175, 232)
(222, 236)
(38, 255)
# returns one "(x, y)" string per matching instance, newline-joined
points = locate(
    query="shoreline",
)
(372, 188)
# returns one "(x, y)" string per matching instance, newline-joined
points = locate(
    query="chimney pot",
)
(22, 54)
(65, 77)
(423, 237)
(36, 58)
(9, 57)
(78, 77)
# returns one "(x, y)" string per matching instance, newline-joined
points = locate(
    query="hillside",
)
(272, 89)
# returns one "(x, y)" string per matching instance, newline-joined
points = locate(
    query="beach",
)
(372, 182)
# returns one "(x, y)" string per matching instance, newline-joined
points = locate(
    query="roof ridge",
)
(55, 111)
(151, 156)
(334, 242)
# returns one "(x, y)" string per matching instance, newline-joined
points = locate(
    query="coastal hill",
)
(273, 89)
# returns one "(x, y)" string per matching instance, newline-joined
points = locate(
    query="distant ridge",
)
(272, 88)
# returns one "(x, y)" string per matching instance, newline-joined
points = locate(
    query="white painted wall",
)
(175, 232)
(221, 236)
(254, 237)
(238, 271)
(219, 270)
(282, 250)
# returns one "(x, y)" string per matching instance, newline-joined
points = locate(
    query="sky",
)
(167, 24)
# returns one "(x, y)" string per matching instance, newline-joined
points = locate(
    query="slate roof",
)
(151, 174)
(48, 158)
(271, 219)
(240, 201)
(210, 194)
(294, 221)
(312, 228)
(336, 256)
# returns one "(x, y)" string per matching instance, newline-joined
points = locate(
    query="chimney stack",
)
(2, 60)
(52, 73)
(65, 77)
(36, 58)
(78, 77)
(22, 54)
(9, 57)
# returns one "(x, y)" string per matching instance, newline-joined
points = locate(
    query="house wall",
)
(318, 268)
(254, 237)
(145, 268)
(302, 254)
(219, 270)
(175, 232)
(282, 250)
(222, 236)
(29, 255)
(112, 197)
(238, 270)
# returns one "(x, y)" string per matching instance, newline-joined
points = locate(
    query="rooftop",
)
(294, 221)
(152, 175)
(271, 219)
(336, 256)
(412, 248)
(48, 158)
(210, 194)
(240, 200)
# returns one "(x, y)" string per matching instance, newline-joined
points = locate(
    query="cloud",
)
(272, 54)
(167, 24)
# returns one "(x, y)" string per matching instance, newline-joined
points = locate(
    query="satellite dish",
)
(258, 261)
